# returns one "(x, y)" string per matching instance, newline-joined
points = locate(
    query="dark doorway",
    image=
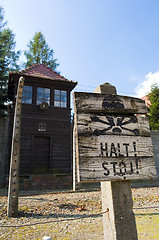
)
(41, 146)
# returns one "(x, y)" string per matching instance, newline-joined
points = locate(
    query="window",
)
(60, 98)
(43, 95)
(27, 94)
(42, 127)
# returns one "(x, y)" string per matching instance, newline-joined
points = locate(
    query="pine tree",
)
(8, 60)
(39, 52)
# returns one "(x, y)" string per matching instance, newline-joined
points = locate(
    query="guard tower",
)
(46, 120)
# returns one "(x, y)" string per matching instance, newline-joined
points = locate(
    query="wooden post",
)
(118, 221)
(15, 155)
(76, 178)
(74, 161)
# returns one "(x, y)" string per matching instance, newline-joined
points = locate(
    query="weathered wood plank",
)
(94, 102)
(106, 124)
(114, 152)
(123, 168)
(114, 146)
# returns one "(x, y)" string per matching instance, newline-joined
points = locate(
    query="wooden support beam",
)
(74, 160)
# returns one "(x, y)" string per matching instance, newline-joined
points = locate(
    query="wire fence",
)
(88, 88)
(68, 219)
(53, 221)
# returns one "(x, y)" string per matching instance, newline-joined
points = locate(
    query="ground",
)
(74, 215)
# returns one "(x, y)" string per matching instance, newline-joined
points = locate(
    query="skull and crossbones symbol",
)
(116, 124)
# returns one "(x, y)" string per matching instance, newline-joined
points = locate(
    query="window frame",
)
(24, 96)
(44, 95)
(60, 98)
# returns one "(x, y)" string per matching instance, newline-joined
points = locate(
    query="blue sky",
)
(95, 41)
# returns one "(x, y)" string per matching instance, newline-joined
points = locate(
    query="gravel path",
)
(54, 207)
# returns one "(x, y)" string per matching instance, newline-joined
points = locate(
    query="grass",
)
(147, 228)
(147, 225)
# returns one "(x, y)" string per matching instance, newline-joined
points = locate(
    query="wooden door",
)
(41, 153)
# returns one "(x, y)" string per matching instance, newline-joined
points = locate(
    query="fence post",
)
(15, 155)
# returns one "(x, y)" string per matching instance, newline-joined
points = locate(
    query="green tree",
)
(153, 113)
(39, 52)
(8, 60)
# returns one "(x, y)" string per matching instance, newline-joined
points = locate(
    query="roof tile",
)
(147, 101)
(42, 71)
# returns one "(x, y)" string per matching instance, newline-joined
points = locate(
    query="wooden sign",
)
(112, 138)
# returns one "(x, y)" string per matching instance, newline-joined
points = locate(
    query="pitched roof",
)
(41, 71)
(147, 101)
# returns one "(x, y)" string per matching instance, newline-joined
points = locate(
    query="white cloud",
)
(145, 87)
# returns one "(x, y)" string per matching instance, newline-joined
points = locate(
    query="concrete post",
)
(118, 221)
(13, 188)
